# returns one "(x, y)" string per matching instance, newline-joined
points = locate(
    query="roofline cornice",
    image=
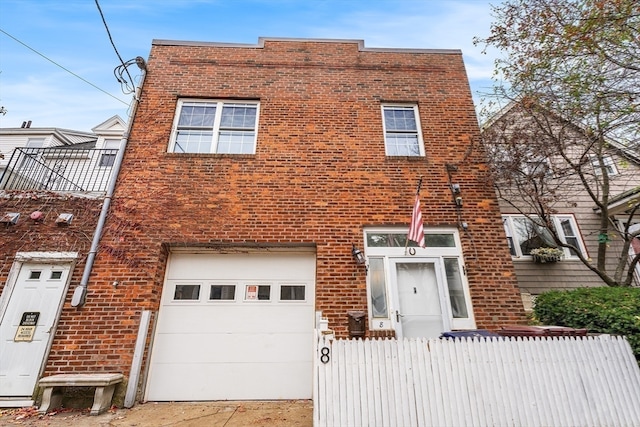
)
(262, 40)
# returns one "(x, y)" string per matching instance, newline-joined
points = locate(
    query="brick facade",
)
(318, 177)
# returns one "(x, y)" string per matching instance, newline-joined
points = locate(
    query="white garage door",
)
(233, 327)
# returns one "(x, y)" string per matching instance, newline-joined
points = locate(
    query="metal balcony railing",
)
(59, 169)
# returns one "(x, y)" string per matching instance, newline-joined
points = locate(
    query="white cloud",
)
(33, 89)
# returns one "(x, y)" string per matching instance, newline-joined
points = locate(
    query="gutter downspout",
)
(80, 293)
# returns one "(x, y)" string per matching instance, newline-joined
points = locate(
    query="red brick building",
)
(252, 174)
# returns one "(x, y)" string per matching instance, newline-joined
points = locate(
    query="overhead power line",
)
(123, 82)
(65, 69)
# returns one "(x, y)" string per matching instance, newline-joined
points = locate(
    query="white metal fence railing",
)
(564, 381)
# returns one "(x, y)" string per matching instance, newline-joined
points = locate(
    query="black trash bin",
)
(357, 324)
(471, 333)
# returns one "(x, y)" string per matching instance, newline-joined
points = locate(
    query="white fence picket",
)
(565, 381)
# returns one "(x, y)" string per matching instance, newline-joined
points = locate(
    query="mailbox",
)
(357, 328)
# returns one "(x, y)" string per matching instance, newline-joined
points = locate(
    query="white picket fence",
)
(568, 381)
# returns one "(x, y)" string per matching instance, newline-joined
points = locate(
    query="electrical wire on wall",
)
(457, 200)
(128, 85)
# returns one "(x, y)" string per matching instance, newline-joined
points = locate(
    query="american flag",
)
(416, 231)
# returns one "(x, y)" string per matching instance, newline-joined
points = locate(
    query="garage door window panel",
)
(257, 293)
(187, 293)
(292, 293)
(222, 292)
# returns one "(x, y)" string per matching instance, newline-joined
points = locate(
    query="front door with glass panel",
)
(420, 309)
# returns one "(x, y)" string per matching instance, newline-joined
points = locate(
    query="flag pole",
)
(406, 243)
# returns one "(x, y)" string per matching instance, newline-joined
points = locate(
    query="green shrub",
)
(604, 310)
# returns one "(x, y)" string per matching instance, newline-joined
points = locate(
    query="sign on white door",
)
(33, 307)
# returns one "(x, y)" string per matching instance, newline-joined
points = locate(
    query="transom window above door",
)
(402, 135)
(209, 126)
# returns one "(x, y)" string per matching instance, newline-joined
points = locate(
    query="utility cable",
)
(113, 44)
(68, 71)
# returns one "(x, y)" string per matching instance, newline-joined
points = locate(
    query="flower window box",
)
(542, 255)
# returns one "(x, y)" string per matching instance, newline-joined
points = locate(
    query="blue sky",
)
(72, 34)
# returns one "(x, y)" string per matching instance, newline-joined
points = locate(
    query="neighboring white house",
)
(574, 215)
(58, 159)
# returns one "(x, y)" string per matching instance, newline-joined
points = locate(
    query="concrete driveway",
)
(285, 413)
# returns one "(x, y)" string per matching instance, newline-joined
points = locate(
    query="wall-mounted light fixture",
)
(357, 255)
(455, 188)
(10, 218)
(459, 201)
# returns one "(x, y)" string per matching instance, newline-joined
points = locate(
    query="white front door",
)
(421, 309)
(35, 298)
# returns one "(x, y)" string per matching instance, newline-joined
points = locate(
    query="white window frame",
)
(531, 167)
(417, 132)
(511, 233)
(107, 160)
(216, 128)
(609, 165)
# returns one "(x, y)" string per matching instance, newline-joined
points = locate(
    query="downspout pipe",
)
(80, 293)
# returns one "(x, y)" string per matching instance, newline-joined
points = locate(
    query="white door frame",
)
(23, 258)
(394, 249)
(443, 293)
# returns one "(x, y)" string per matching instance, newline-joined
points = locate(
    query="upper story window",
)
(224, 127)
(537, 168)
(402, 136)
(524, 234)
(29, 159)
(608, 163)
(108, 158)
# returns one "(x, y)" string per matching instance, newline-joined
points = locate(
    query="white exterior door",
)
(34, 299)
(421, 309)
(235, 327)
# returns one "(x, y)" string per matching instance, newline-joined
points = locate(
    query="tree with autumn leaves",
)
(570, 74)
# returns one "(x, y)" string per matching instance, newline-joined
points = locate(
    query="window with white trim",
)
(30, 159)
(537, 168)
(402, 134)
(525, 234)
(223, 127)
(608, 163)
(108, 158)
